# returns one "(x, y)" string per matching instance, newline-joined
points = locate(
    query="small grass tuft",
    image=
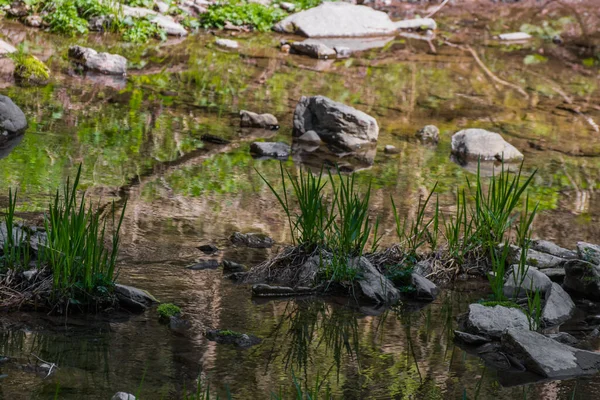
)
(168, 310)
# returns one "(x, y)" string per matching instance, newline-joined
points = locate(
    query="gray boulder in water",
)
(589, 252)
(12, 119)
(133, 299)
(583, 278)
(547, 357)
(490, 322)
(479, 143)
(336, 124)
(105, 63)
(338, 19)
(558, 306)
(520, 282)
(373, 285)
(249, 119)
(278, 150)
(123, 396)
(314, 48)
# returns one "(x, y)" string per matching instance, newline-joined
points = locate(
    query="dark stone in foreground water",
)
(223, 336)
(12, 119)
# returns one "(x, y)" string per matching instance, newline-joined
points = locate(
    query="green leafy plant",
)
(141, 30)
(241, 13)
(63, 17)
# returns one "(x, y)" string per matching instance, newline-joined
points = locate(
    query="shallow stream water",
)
(140, 139)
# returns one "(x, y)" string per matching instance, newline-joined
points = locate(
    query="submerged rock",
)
(335, 123)
(416, 23)
(475, 143)
(389, 149)
(133, 299)
(547, 357)
(208, 248)
(424, 288)
(513, 36)
(470, 339)
(264, 290)
(519, 283)
(249, 119)
(271, 149)
(105, 63)
(583, 278)
(314, 48)
(227, 43)
(492, 321)
(223, 336)
(204, 264)
(429, 133)
(558, 306)
(231, 267)
(589, 252)
(12, 119)
(252, 240)
(337, 19)
(373, 285)
(123, 396)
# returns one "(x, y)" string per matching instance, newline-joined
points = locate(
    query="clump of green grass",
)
(82, 267)
(241, 13)
(168, 310)
(15, 251)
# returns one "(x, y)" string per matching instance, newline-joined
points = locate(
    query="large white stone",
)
(475, 143)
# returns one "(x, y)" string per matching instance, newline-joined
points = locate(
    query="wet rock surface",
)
(582, 278)
(252, 240)
(416, 23)
(373, 285)
(424, 288)
(337, 20)
(204, 264)
(519, 282)
(231, 267)
(335, 123)
(227, 43)
(133, 299)
(242, 340)
(470, 339)
(558, 306)
(264, 290)
(105, 63)
(123, 396)
(314, 48)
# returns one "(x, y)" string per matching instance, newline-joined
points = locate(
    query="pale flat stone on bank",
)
(416, 23)
(514, 36)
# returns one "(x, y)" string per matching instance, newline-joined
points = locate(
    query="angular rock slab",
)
(513, 36)
(314, 48)
(492, 321)
(535, 258)
(12, 119)
(253, 240)
(558, 306)
(227, 43)
(518, 284)
(416, 23)
(337, 19)
(133, 298)
(6, 48)
(547, 357)
(249, 119)
(105, 63)
(424, 288)
(470, 339)
(476, 143)
(583, 278)
(545, 246)
(373, 285)
(335, 123)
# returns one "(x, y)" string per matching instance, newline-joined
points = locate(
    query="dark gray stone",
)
(204, 264)
(535, 258)
(12, 119)
(470, 339)
(264, 290)
(231, 267)
(547, 357)
(564, 338)
(278, 150)
(223, 336)
(335, 123)
(373, 285)
(518, 284)
(424, 288)
(582, 278)
(133, 299)
(492, 321)
(558, 306)
(208, 248)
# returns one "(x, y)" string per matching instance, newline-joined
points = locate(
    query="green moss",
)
(227, 332)
(29, 68)
(168, 310)
(509, 304)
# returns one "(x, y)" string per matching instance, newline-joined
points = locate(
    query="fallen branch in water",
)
(52, 365)
(431, 14)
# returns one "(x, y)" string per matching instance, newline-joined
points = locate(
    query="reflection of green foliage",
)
(548, 29)
(534, 59)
